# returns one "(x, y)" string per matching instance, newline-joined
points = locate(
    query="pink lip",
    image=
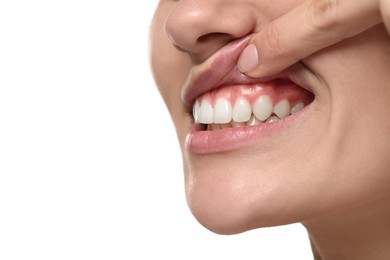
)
(221, 70)
(218, 70)
(205, 142)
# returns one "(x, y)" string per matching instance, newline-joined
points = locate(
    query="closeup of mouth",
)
(229, 108)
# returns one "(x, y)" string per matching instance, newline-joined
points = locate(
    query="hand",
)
(312, 26)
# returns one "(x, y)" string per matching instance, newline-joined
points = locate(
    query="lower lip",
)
(228, 139)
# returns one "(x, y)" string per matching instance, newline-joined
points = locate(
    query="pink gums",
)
(276, 90)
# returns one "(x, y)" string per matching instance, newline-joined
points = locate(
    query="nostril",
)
(220, 37)
(208, 44)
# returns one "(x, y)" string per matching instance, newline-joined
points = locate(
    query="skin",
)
(331, 171)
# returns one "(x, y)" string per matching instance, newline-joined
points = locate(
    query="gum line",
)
(276, 90)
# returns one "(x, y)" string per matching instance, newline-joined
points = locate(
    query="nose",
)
(201, 27)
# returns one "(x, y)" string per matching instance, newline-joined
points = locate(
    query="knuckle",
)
(322, 15)
(272, 39)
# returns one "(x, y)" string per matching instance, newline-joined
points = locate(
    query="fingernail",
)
(248, 59)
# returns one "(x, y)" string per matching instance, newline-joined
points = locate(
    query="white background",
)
(89, 163)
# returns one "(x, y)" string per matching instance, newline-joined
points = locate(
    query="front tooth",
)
(282, 109)
(222, 111)
(262, 108)
(272, 119)
(242, 111)
(298, 106)
(196, 111)
(206, 115)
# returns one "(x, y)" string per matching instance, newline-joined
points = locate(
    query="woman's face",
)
(242, 172)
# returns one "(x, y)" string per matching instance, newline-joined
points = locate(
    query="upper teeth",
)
(263, 108)
(222, 111)
(242, 112)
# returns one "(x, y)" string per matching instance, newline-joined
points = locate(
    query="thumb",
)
(311, 26)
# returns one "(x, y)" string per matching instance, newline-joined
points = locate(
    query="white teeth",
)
(242, 111)
(253, 121)
(298, 106)
(262, 108)
(282, 109)
(222, 111)
(223, 115)
(272, 119)
(195, 112)
(206, 115)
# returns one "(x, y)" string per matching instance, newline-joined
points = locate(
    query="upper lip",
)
(221, 70)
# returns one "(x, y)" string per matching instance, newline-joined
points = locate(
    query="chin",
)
(230, 201)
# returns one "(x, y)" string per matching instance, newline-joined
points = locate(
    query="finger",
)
(385, 11)
(312, 26)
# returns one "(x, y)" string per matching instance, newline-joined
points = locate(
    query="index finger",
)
(311, 26)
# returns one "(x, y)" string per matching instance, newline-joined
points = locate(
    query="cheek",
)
(357, 75)
(358, 94)
(169, 66)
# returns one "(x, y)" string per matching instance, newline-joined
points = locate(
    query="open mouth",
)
(249, 105)
(230, 110)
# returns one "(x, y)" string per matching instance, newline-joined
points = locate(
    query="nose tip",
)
(202, 27)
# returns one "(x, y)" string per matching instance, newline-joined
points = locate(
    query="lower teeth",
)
(252, 122)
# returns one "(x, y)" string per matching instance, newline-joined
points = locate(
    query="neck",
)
(358, 234)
